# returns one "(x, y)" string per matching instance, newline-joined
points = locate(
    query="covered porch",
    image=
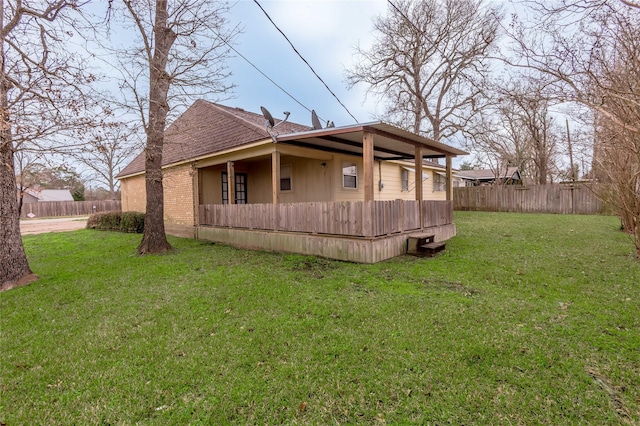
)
(320, 220)
(356, 231)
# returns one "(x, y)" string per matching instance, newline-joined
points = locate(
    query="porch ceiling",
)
(389, 142)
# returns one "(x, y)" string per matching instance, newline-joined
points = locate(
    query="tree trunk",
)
(154, 239)
(14, 266)
(112, 186)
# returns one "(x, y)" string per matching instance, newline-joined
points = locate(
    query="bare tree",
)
(517, 128)
(40, 175)
(24, 162)
(108, 147)
(180, 52)
(429, 63)
(531, 111)
(38, 95)
(589, 52)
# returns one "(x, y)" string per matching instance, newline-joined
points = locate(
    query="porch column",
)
(231, 182)
(449, 179)
(275, 176)
(195, 173)
(418, 177)
(367, 159)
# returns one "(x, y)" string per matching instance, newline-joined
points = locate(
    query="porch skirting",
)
(352, 249)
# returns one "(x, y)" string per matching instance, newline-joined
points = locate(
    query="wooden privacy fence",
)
(554, 198)
(356, 218)
(68, 208)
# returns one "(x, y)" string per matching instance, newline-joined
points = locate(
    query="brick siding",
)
(178, 195)
(134, 195)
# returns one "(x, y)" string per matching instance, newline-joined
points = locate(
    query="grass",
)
(526, 319)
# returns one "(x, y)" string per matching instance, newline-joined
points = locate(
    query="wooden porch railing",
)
(355, 218)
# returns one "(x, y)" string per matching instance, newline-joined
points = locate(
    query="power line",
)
(263, 74)
(405, 17)
(304, 60)
(267, 77)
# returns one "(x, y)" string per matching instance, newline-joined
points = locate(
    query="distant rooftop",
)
(483, 174)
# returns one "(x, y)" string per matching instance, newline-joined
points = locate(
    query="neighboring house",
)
(31, 195)
(27, 197)
(342, 192)
(505, 176)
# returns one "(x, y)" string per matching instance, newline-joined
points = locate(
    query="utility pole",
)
(573, 170)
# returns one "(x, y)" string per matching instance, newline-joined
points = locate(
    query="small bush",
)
(132, 222)
(117, 221)
(92, 222)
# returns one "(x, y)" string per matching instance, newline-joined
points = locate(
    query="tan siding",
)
(429, 188)
(210, 187)
(347, 194)
(392, 178)
(310, 180)
(258, 180)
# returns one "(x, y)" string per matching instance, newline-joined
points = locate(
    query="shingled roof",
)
(207, 128)
(487, 174)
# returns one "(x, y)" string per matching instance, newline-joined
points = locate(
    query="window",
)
(349, 175)
(285, 177)
(240, 188)
(405, 179)
(225, 188)
(439, 183)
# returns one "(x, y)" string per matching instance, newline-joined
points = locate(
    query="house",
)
(35, 195)
(347, 193)
(478, 177)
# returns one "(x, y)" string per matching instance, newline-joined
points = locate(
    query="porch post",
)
(231, 182)
(275, 176)
(367, 159)
(449, 179)
(418, 177)
(195, 173)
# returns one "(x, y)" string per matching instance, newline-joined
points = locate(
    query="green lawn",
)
(526, 319)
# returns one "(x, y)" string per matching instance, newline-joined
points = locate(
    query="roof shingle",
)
(206, 128)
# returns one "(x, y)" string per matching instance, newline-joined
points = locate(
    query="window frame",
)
(288, 167)
(348, 165)
(240, 186)
(439, 182)
(404, 179)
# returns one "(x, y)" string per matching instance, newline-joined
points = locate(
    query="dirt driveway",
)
(59, 224)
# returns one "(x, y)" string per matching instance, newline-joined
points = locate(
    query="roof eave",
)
(377, 127)
(248, 145)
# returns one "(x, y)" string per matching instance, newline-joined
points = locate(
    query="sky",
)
(326, 33)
